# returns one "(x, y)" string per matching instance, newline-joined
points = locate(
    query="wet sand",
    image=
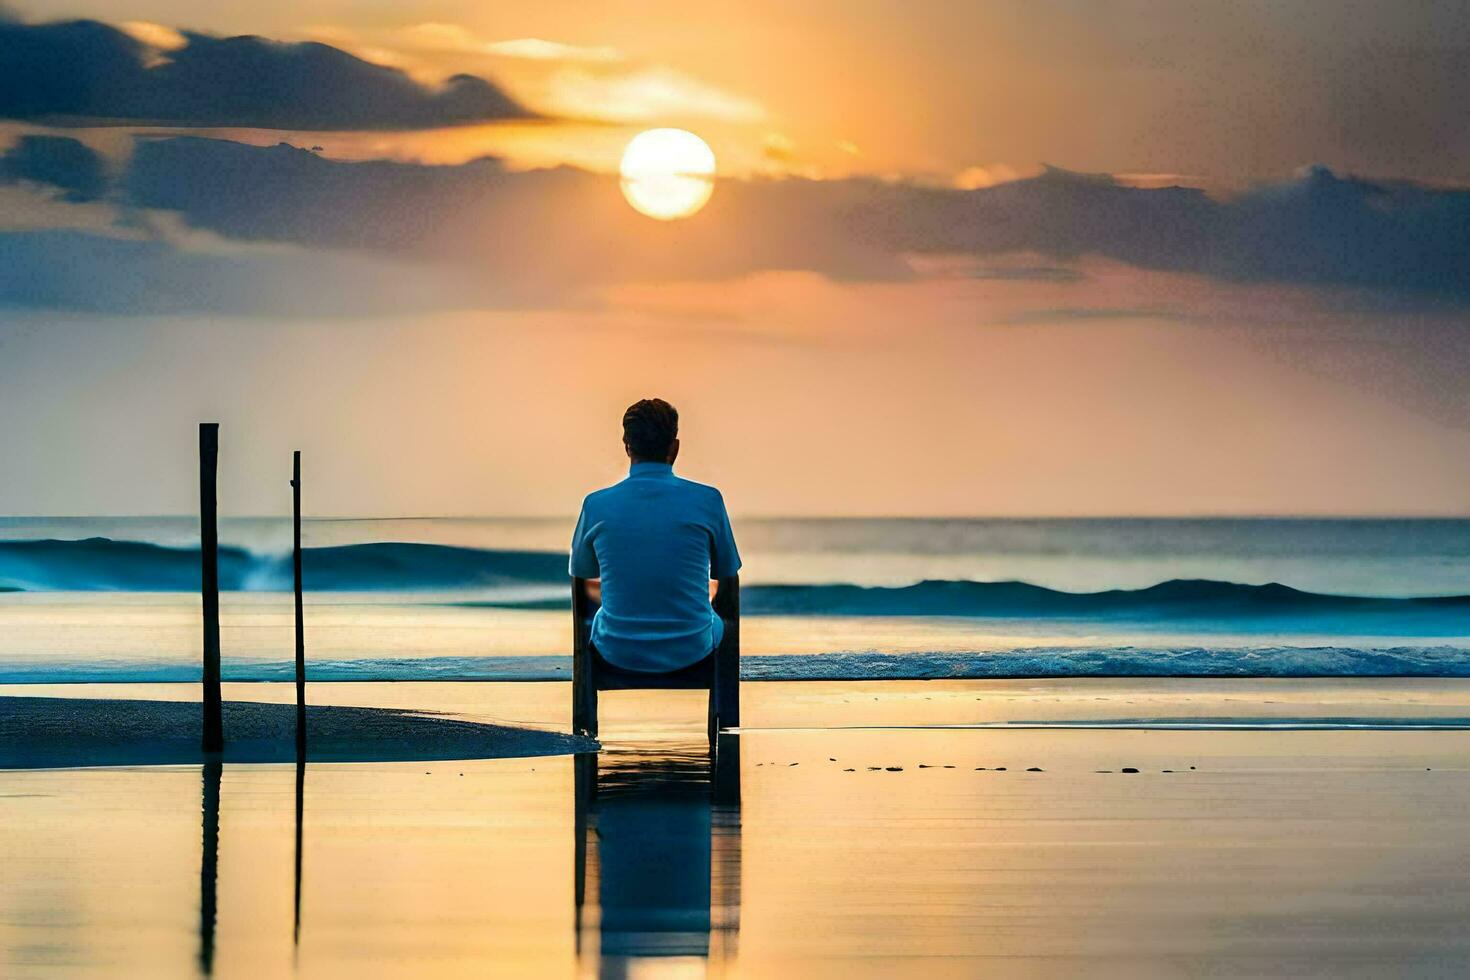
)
(895, 848)
(55, 732)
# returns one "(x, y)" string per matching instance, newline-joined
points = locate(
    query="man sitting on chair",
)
(654, 541)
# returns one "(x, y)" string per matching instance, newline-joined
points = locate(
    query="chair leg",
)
(712, 726)
(584, 709)
(725, 769)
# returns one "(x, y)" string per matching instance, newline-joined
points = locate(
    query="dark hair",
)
(650, 427)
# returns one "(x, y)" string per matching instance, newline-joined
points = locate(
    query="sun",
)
(667, 173)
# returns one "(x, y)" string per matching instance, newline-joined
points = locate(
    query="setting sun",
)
(667, 173)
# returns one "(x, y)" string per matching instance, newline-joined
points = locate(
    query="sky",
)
(1043, 257)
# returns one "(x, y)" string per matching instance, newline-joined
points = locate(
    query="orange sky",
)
(852, 375)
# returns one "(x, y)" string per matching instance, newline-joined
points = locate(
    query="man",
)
(654, 541)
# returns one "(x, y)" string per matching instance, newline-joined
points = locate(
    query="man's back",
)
(655, 540)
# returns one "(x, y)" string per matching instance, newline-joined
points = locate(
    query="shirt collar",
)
(651, 469)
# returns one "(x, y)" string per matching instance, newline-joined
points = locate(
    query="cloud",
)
(160, 37)
(560, 228)
(938, 266)
(81, 73)
(27, 206)
(435, 36)
(1083, 314)
(559, 236)
(70, 165)
(643, 95)
(538, 49)
(82, 271)
(586, 82)
(1317, 229)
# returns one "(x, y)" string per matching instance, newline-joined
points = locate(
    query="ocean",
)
(115, 599)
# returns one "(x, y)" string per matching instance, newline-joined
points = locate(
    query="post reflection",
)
(209, 863)
(212, 774)
(658, 854)
(300, 806)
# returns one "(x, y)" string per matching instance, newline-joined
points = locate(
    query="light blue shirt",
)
(655, 540)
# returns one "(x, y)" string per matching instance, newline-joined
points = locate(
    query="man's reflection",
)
(658, 848)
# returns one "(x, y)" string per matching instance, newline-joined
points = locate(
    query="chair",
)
(719, 673)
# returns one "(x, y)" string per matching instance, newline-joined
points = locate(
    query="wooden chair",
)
(719, 673)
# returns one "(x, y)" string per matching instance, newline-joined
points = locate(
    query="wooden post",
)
(214, 732)
(300, 683)
(300, 620)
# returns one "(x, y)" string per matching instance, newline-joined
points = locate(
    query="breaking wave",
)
(102, 564)
(538, 580)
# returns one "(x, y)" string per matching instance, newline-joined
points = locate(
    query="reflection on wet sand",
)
(213, 772)
(300, 807)
(905, 851)
(658, 848)
(209, 864)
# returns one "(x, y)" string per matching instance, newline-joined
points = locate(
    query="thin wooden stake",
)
(300, 619)
(214, 731)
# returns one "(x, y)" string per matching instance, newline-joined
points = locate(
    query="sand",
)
(41, 732)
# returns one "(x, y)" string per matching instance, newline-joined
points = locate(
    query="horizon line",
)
(932, 518)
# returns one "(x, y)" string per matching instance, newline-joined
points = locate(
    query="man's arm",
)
(724, 557)
(583, 563)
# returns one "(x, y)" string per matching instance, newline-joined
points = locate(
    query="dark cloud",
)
(542, 229)
(495, 236)
(88, 73)
(1316, 229)
(75, 168)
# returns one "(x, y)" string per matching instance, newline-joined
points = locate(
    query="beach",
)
(1119, 748)
(882, 829)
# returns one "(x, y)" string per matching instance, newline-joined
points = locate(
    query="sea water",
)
(114, 599)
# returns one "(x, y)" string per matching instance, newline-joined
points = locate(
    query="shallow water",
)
(482, 598)
(140, 636)
(1316, 853)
